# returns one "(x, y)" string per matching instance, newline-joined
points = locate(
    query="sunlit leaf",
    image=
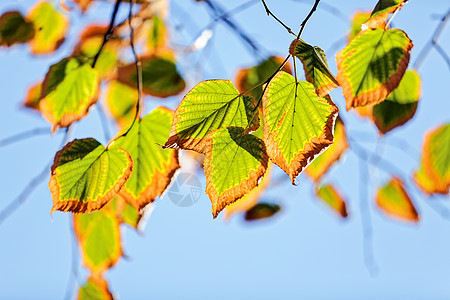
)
(400, 106)
(153, 165)
(14, 29)
(85, 175)
(121, 100)
(395, 202)
(436, 156)
(69, 89)
(428, 184)
(333, 199)
(298, 125)
(160, 77)
(324, 161)
(372, 65)
(126, 213)
(262, 211)
(50, 26)
(96, 288)
(382, 10)
(156, 35)
(357, 20)
(33, 96)
(249, 78)
(98, 235)
(315, 66)
(234, 164)
(210, 105)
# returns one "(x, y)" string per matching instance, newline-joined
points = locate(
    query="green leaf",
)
(436, 156)
(98, 234)
(395, 202)
(234, 164)
(69, 89)
(262, 211)
(400, 106)
(127, 213)
(153, 165)
(14, 29)
(121, 100)
(428, 184)
(298, 125)
(160, 77)
(51, 27)
(156, 35)
(333, 199)
(86, 175)
(210, 105)
(372, 65)
(382, 10)
(315, 66)
(357, 20)
(96, 288)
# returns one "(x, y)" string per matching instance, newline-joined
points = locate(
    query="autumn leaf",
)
(96, 288)
(153, 166)
(33, 96)
(86, 175)
(428, 184)
(358, 19)
(82, 4)
(393, 200)
(234, 164)
(156, 38)
(14, 29)
(382, 10)
(331, 197)
(126, 213)
(372, 65)
(69, 89)
(121, 101)
(210, 105)
(51, 27)
(298, 125)
(262, 211)
(315, 66)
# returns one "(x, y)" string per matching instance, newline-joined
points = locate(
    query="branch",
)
(330, 9)
(24, 135)
(303, 24)
(104, 122)
(269, 13)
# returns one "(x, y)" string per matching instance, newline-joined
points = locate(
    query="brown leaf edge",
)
(102, 285)
(342, 210)
(440, 184)
(377, 95)
(433, 187)
(385, 129)
(379, 20)
(75, 206)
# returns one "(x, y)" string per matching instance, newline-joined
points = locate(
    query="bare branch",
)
(269, 13)
(303, 24)
(24, 135)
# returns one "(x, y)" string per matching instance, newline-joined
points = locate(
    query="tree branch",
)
(269, 13)
(303, 24)
(24, 135)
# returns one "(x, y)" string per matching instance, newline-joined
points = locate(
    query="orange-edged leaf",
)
(96, 288)
(33, 96)
(382, 10)
(315, 66)
(325, 160)
(86, 175)
(83, 4)
(121, 101)
(372, 65)
(298, 125)
(427, 184)
(127, 213)
(69, 89)
(51, 27)
(436, 156)
(160, 77)
(333, 199)
(98, 235)
(156, 38)
(14, 29)
(234, 164)
(262, 211)
(358, 19)
(393, 200)
(153, 165)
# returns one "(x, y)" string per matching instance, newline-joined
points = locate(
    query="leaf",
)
(427, 184)
(33, 96)
(153, 165)
(298, 125)
(121, 101)
(357, 20)
(393, 200)
(262, 211)
(86, 175)
(400, 106)
(69, 89)
(98, 235)
(333, 199)
(210, 105)
(156, 35)
(382, 10)
(372, 65)
(234, 164)
(251, 77)
(315, 66)
(14, 29)
(436, 156)
(126, 213)
(51, 27)
(83, 4)
(324, 161)
(160, 77)
(96, 288)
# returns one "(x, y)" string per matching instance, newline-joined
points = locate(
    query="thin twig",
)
(24, 135)
(269, 13)
(330, 9)
(303, 24)
(104, 122)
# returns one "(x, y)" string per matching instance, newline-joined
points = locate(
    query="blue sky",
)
(303, 253)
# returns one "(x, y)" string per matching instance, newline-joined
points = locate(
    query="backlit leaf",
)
(156, 34)
(160, 77)
(69, 89)
(372, 65)
(234, 164)
(210, 105)
(33, 96)
(50, 26)
(427, 184)
(262, 211)
(315, 66)
(325, 160)
(400, 106)
(298, 125)
(382, 10)
(126, 213)
(121, 100)
(98, 235)
(395, 202)
(14, 29)
(96, 288)
(85, 175)
(153, 166)
(333, 199)
(357, 20)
